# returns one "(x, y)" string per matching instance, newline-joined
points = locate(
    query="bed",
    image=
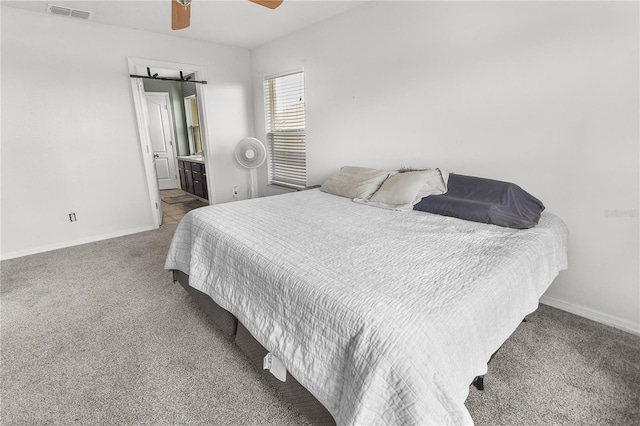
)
(382, 316)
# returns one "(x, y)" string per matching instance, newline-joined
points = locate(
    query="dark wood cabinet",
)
(184, 183)
(193, 178)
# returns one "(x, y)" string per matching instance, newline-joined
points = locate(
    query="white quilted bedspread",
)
(384, 316)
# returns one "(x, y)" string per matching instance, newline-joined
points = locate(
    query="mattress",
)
(384, 316)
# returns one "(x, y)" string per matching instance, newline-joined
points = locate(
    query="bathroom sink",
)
(192, 158)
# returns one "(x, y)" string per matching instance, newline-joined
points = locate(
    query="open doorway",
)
(180, 134)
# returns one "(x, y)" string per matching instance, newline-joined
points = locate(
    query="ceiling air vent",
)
(67, 11)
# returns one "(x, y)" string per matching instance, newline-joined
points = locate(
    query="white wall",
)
(69, 137)
(544, 94)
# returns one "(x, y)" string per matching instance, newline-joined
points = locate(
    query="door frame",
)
(138, 66)
(174, 142)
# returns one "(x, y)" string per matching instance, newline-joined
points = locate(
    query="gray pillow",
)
(486, 201)
(355, 182)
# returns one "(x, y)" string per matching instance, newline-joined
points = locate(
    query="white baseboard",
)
(42, 249)
(613, 321)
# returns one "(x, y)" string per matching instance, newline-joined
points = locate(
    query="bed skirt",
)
(292, 391)
(222, 318)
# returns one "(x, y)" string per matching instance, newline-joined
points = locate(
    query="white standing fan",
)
(251, 153)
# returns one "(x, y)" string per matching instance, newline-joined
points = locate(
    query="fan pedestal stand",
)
(253, 179)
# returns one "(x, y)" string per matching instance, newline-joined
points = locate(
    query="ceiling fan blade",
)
(180, 15)
(271, 4)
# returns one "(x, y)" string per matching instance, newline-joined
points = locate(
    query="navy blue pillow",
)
(486, 201)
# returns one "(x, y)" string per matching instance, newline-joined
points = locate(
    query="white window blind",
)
(285, 120)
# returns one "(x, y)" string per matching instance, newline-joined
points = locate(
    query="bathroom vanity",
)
(193, 175)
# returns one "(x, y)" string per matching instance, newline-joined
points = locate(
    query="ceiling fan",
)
(181, 11)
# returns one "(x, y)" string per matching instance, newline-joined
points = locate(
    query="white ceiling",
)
(230, 22)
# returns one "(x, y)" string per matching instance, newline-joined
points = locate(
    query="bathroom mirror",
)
(193, 124)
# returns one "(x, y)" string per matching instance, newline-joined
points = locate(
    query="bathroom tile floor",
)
(173, 212)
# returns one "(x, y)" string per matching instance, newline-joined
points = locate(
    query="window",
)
(285, 121)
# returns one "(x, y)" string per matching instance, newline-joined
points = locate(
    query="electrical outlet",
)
(235, 192)
(72, 217)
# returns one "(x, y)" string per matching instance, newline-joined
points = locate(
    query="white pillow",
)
(403, 190)
(355, 182)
